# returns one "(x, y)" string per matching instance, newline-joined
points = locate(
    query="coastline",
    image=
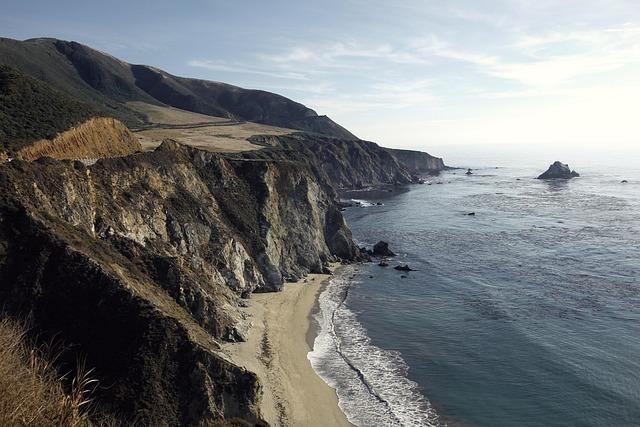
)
(276, 350)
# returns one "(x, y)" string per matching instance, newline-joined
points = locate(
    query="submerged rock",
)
(559, 170)
(382, 249)
(403, 268)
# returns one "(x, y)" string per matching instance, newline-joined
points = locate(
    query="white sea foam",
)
(363, 203)
(371, 383)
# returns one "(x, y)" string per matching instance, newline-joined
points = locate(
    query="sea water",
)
(524, 314)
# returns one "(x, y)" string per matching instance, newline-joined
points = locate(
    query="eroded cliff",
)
(139, 264)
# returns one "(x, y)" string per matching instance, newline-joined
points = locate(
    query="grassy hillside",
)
(31, 110)
(109, 84)
(31, 390)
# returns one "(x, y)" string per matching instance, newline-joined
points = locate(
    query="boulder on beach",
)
(559, 170)
(382, 249)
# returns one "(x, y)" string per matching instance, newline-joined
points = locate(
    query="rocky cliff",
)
(348, 164)
(139, 264)
(95, 138)
(418, 162)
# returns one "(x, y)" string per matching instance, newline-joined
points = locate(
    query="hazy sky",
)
(410, 74)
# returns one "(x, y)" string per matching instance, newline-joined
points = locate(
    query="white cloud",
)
(239, 68)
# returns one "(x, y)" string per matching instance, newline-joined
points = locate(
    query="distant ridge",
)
(108, 83)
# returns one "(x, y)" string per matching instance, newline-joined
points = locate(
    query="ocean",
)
(525, 314)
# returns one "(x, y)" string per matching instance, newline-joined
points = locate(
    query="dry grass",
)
(228, 138)
(31, 390)
(210, 133)
(95, 138)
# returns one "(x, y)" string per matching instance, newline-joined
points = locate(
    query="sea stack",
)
(559, 170)
(382, 249)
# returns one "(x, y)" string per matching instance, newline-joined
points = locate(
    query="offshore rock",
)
(559, 170)
(382, 249)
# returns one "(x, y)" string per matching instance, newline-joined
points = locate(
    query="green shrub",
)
(31, 110)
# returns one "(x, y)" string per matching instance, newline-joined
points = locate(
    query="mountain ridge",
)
(108, 83)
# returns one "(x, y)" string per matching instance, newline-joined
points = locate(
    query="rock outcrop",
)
(95, 138)
(559, 170)
(139, 264)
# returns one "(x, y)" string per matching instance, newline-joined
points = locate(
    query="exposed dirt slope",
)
(95, 138)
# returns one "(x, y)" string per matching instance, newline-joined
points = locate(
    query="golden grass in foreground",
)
(31, 391)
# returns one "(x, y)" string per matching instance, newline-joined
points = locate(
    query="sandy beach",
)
(277, 352)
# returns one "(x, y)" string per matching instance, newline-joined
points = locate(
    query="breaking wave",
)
(371, 383)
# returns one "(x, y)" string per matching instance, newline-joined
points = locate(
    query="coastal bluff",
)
(140, 264)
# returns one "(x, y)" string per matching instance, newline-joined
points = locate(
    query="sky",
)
(409, 74)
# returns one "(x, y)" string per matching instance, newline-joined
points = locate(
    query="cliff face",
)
(418, 162)
(348, 164)
(139, 264)
(95, 138)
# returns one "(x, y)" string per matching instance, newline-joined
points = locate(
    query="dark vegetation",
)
(31, 110)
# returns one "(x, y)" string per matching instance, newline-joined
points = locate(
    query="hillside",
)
(199, 130)
(109, 84)
(31, 110)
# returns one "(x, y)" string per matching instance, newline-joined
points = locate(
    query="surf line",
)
(358, 372)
